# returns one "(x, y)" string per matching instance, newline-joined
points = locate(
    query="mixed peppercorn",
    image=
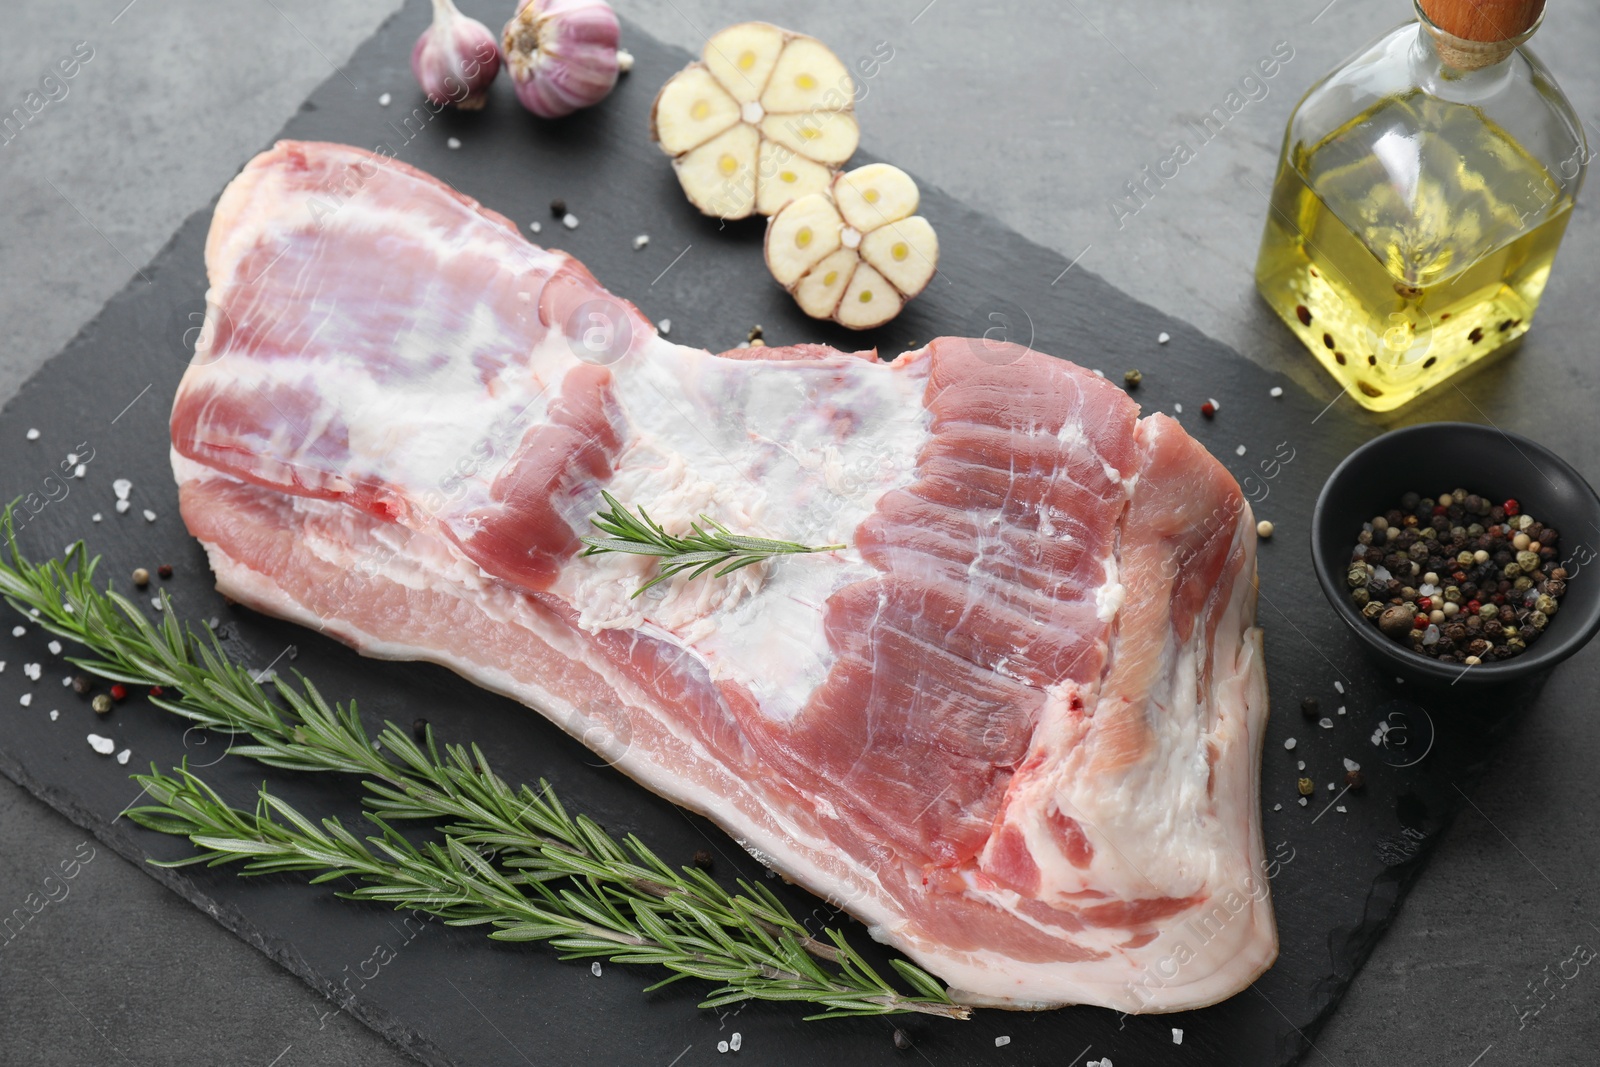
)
(1459, 578)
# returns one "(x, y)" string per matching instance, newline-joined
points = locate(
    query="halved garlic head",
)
(854, 253)
(764, 118)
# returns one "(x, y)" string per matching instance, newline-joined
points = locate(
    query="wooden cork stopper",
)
(1488, 21)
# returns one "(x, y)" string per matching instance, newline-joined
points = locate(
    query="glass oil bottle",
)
(1423, 190)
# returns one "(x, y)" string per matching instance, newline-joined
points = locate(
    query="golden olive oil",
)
(1408, 244)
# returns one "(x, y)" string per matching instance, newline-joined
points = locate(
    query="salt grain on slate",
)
(18, 631)
(1177, 1036)
(535, 227)
(594, 968)
(80, 471)
(640, 241)
(736, 1042)
(383, 101)
(1351, 765)
(25, 699)
(1326, 723)
(1302, 765)
(122, 757)
(122, 507)
(1277, 807)
(722, 1046)
(1239, 451)
(1340, 808)
(1163, 337)
(33, 435)
(1276, 390)
(1338, 687)
(1289, 744)
(155, 602)
(1302, 802)
(1341, 709)
(122, 487)
(149, 516)
(453, 143)
(54, 714)
(1002, 1041)
(570, 221)
(102, 745)
(1178, 408)
(665, 326)
(32, 670)
(95, 517)
(54, 647)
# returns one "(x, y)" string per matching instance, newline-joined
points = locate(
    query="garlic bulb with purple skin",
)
(456, 58)
(563, 54)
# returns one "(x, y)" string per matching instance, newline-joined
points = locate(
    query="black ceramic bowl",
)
(1434, 458)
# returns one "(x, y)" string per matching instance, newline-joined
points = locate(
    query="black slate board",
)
(450, 996)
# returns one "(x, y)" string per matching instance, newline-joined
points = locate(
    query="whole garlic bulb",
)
(456, 58)
(562, 54)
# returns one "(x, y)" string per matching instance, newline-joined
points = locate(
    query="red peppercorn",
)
(1473, 606)
(1208, 409)
(1459, 576)
(165, 570)
(1425, 603)
(119, 692)
(1499, 598)
(155, 690)
(1512, 507)
(1440, 509)
(1420, 622)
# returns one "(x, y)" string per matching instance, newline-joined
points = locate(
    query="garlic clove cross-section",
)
(764, 118)
(854, 253)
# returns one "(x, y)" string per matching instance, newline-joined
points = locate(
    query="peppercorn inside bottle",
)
(1458, 577)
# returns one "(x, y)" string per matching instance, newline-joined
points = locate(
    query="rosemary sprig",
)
(511, 858)
(697, 553)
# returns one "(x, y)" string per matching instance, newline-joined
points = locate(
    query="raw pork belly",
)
(1015, 727)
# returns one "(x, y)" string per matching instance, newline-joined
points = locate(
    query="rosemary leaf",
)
(696, 553)
(512, 857)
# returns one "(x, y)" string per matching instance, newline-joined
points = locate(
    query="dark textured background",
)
(1042, 114)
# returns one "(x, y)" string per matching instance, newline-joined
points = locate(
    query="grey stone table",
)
(1038, 112)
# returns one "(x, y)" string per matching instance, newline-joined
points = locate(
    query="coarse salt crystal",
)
(54, 714)
(54, 647)
(103, 745)
(1239, 451)
(149, 516)
(736, 1042)
(1163, 337)
(1340, 808)
(384, 100)
(155, 602)
(1289, 744)
(1302, 802)
(1215, 406)
(570, 221)
(122, 487)
(1351, 765)
(1002, 1041)
(122, 757)
(25, 699)
(32, 670)
(1277, 807)
(1178, 408)
(18, 631)
(452, 143)
(535, 227)
(1338, 686)
(1276, 390)
(1341, 709)
(722, 1046)
(72, 458)
(1330, 787)
(665, 326)
(122, 507)
(640, 241)
(1302, 765)
(96, 517)
(1325, 722)
(594, 968)
(1177, 1036)
(66, 681)
(80, 471)
(33, 435)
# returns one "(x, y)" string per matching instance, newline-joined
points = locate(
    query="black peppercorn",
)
(558, 207)
(702, 859)
(81, 684)
(419, 730)
(1311, 708)
(902, 1040)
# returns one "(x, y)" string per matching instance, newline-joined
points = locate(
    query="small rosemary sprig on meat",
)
(697, 553)
(511, 858)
